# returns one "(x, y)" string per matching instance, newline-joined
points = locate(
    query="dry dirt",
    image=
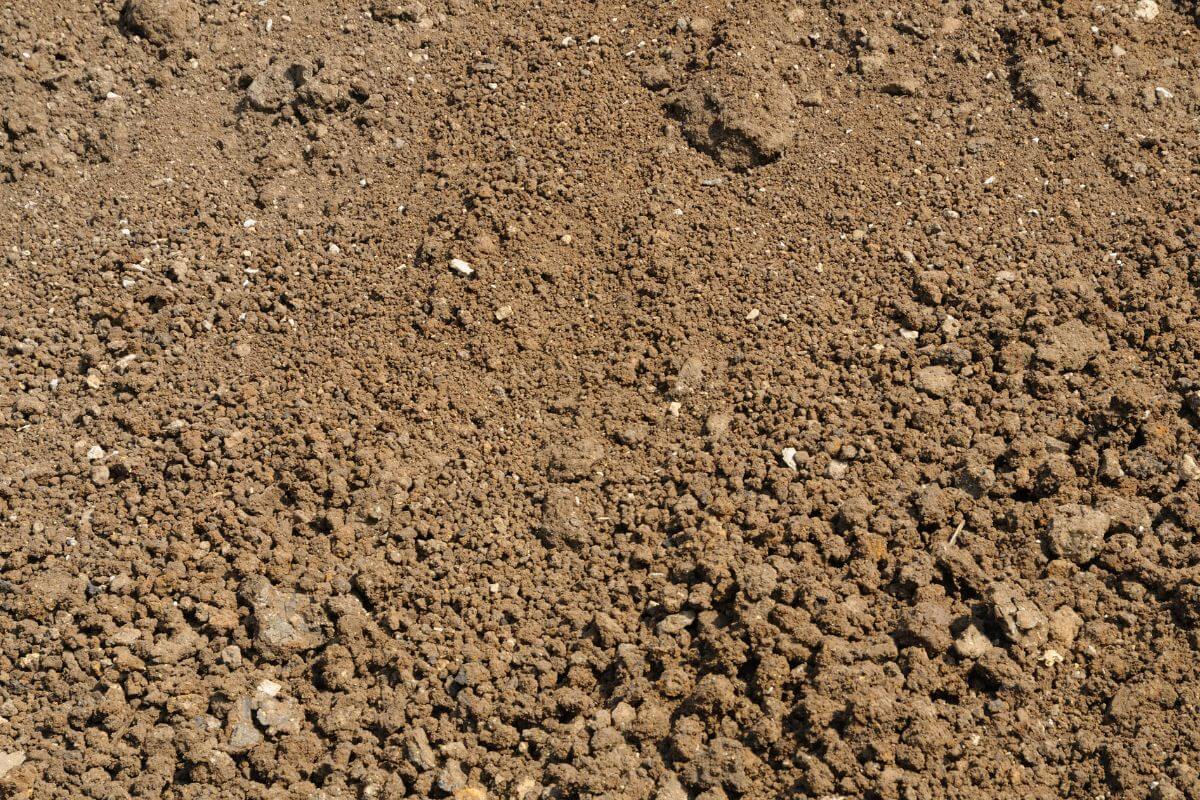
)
(593, 400)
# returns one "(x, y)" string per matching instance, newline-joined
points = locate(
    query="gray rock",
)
(241, 735)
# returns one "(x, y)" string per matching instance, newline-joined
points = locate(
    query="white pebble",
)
(95, 453)
(461, 267)
(1146, 10)
(269, 687)
(788, 454)
(250, 223)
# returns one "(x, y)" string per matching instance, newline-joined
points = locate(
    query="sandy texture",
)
(593, 400)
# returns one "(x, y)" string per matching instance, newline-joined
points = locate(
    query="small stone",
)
(788, 454)
(461, 267)
(470, 793)
(1146, 10)
(1051, 657)
(451, 779)
(242, 735)
(1077, 532)
(503, 312)
(269, 687)
(418, 751)
(1110, 465)
(1189, 470)
(231, 656)
(10, 761)
(95, 453)
(623, 715)
(935, 381)
(676, 622)
(100, 475)
(836, 469)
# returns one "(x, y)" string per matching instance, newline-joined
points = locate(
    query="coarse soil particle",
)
(815, 415)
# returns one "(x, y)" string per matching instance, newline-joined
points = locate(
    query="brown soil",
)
(591, 400)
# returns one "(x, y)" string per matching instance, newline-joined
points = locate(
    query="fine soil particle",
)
(590, 400)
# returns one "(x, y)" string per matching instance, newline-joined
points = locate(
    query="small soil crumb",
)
(279, 617)
(935, 381)
(1071, 345)
(160, 21)
(1077, 533)
(1019, 617)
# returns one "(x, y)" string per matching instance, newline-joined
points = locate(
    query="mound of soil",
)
(594, 400)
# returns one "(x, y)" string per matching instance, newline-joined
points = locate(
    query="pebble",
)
(269, 687)
(1051, 657)
(1146, 10)
(95, 453)
(1189, 470)
(461, 267)
(836, 469)
(451, 779)
(10, 761)
(676, 622)
(503, 312)
(788, 454)
(279, 716)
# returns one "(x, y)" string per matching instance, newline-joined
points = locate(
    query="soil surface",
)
(599, 400)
